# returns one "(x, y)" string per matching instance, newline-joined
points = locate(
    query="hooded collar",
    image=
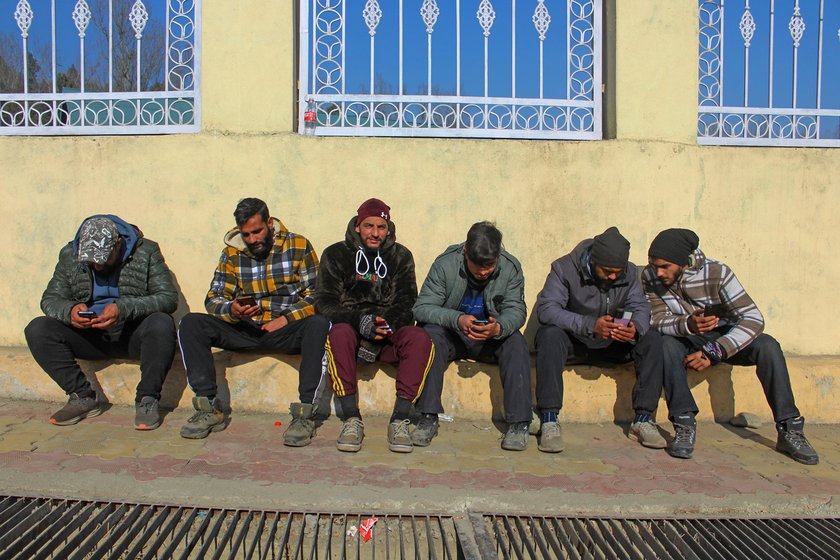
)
(234, 239)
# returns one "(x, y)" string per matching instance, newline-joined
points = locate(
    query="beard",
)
(261, 249)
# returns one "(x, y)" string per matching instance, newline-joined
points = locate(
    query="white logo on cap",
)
(384, 215)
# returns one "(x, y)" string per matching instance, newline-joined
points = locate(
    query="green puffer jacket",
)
(145, 284)
(443, 290)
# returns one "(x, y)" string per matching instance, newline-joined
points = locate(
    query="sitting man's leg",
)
(153, 341)
(515, 371)
(198, 334)
(55, 346)
(342, 346)
(308, 338)
(648, 359)
(553, 350)
(682, 409)
(446, 344)
(771, 368)
(412, 350)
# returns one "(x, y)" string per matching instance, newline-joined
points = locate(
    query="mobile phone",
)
(87, 313)
(717, 310)
(481, 322)
(246, 301)
(383, 324)
(624, 320)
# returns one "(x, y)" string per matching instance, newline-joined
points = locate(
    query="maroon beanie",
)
(373, 207)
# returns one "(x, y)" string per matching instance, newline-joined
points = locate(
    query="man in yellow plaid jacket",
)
(260, 300)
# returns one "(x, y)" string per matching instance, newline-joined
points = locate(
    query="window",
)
(99, 67)
(768, 72)
(468, 68)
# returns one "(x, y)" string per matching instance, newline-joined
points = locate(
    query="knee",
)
(39, 328)
(651, 339)
(191, 323)
(550, 336)
(160, 324)
(340, 331)
(672, 347)
(767, 346)
(318, 325)
(417, 335)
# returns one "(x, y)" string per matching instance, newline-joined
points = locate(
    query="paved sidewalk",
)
(601, 472)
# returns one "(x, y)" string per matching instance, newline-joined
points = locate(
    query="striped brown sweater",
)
(704, 282)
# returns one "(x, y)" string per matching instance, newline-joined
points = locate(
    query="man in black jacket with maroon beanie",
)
(367, 287)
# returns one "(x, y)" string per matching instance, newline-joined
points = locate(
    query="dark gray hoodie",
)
(573, 300)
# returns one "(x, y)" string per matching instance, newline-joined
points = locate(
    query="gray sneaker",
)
(301, 430)
(146, 414)
(551, 438)
(207, 418)
(351, 436)
(516, 437)
(77, 409)
(427, 428)
(399, 440)
(647, 433)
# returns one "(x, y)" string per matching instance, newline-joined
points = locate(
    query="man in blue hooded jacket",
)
(110, 297)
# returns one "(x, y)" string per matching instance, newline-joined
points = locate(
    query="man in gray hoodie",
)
(593, 308)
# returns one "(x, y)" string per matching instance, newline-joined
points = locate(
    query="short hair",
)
(484, 243)
(247, 208)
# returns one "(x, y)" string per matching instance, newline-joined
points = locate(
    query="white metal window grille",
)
(454, 68)
(125, 98)
(768, 73)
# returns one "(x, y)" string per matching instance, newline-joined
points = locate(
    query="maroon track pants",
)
(410, 349)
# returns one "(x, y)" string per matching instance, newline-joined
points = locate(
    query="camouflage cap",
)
(97, 238)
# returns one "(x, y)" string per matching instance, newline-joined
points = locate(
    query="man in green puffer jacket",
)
(110, 297)
(472, 304)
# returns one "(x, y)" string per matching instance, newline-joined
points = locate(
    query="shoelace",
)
(683, 434)
(148, 406)
(550, 428)
(401, 428)
(198, 416)
(353, 428)
(798, 440)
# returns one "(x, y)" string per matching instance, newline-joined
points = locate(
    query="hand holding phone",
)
(624, 320)
(480, 322)
(382, 325)
(244, 306)
(246, 300)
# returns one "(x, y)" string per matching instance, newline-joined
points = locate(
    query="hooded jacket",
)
(145, 283)
(283, 283)
(446, 283)
(573, 300)
(704, 282)
(352, 283)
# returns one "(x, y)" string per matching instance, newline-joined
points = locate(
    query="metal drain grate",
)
(690, 539)
(37, 528)
(43, 528)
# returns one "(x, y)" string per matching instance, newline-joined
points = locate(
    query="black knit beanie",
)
(610, 249)
(674, 245)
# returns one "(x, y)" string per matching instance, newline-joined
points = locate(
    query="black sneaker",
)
(426, 429)
(792, 441)
(685, 434)
(146, 414)
(77, 409)
(516, 437)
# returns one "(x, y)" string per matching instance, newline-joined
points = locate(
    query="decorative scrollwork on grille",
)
(81, 16)
(486, 15)
(581, 49)
(23, 17)
(796, 26)
(372, 15)
(541, 19)
(181, 44)
(429, 11)
(747, 26)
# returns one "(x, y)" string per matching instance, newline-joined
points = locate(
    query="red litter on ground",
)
(278, 423)
(366, 528)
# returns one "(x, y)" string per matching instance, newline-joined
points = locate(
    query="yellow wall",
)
(767, 212)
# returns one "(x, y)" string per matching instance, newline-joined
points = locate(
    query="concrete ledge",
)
(472, 390)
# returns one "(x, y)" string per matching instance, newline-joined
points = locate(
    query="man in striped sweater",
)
(260, 300)
(708, 318)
